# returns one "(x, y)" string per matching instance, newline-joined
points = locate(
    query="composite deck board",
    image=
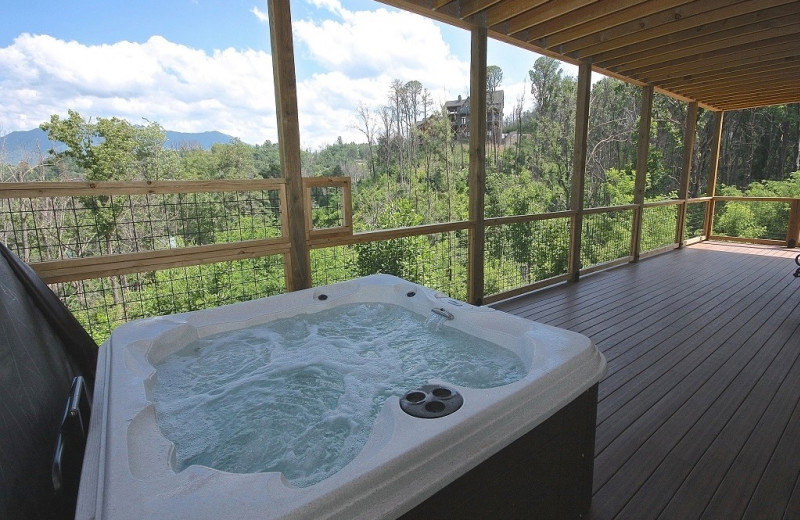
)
(793, 510)
(718, 422)
(672, 352)
(769, 400)
(780, 475)
(678, 409)
(699, 416)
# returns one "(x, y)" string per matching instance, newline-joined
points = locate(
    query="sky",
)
(202, 65)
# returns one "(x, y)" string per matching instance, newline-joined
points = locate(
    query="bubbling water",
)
(300, 395)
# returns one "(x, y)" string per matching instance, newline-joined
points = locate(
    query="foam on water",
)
(300, 395)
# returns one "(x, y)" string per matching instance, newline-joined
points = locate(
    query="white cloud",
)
(261, 15)
(369, 43)
(358, 55)
(334, 6)
(181, 88)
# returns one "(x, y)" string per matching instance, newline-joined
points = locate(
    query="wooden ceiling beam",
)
(469, 8)
(543, 13)
(737, 88)
(720, 53)
(508, 9)
(648, 25)
(749, 102)
(735, 40)
(445, 14)
(690, 16)
(755, 103)
(752, 88)
(588, 20)
(785, 53)
(705, 34)
(778, 67)
(773, 98)
(438, 4)
(706, 61)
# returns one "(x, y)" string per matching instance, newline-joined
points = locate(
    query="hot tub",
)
(526, 446)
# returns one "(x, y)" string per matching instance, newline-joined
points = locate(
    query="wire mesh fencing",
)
(101, 304)
(658, 226)
(437, 260)
(606, 236)
(521, 253)
(61, 227)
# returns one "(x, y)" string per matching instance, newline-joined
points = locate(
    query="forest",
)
(410, 170)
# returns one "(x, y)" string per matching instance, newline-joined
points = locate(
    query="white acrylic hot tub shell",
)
(127, 470)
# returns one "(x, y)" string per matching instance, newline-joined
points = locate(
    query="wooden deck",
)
(699, 416)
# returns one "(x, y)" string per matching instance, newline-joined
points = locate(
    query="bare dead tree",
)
(367, 127)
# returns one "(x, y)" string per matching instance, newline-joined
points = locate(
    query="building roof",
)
(724, 54)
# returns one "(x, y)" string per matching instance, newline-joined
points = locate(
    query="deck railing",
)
(761, 220)
(120, 251)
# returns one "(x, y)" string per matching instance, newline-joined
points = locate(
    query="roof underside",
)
(724, 54)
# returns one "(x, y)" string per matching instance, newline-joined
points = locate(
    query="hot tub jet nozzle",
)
(444, 313)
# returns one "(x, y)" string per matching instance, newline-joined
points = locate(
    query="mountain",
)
(32, 145)
(204, 140)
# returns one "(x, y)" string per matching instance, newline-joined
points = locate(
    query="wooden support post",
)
(641, 170)
(713, 168)
(579, 168)
(280, 25)
(477, 163)
(689, 133)
(793, 231)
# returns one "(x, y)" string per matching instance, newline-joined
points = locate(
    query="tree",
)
(110, 149)
(553, 127)
(494, 77)
(545, 79)
(267, 160)
(613, 135)
(397, 257)
(233, 160)
(367, 127)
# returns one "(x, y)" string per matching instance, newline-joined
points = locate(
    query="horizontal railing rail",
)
(10, 190)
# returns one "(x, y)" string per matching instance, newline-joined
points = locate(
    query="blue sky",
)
(196, 65)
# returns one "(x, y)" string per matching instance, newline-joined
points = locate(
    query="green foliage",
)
(401, 257)
(619, 186)
(738, 220)
(412, 171)
(548, 148)
(761, 144)
(756, 220)
(111, 148)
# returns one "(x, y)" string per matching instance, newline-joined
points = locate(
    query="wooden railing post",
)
(298, 270)
(689, 133)
(477, 164)
(641, 170)
(579, 168)
(713, 168)
(793, 231)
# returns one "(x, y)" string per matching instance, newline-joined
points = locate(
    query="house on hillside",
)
(458, 113)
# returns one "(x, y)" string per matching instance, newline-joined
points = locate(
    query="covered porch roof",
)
(724, 54)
